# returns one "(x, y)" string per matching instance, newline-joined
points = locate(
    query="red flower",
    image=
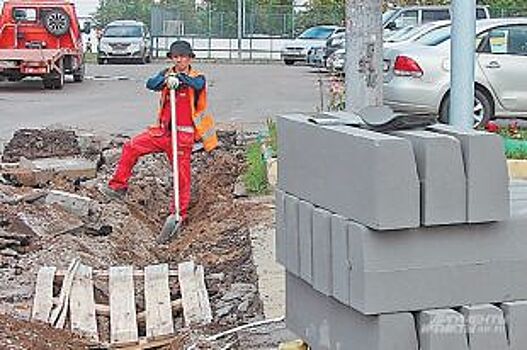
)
(492, 127)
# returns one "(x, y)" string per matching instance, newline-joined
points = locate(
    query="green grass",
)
(515, 148)
(271, 128)
(255, 177)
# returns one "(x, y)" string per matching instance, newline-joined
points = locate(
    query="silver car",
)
(297, 50)
(125, 40)
(337, 60)
(417, 74)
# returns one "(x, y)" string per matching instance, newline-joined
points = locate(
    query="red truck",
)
(41, 38)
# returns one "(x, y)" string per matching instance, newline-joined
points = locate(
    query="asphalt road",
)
(237, 93)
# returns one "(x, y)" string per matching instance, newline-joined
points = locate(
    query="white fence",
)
(219, 48)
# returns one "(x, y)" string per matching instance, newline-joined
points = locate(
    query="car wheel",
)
(289, 62)
(483, 110)
(56, 79)
(57, 22)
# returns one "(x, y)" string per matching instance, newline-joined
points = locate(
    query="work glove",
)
(172, 81)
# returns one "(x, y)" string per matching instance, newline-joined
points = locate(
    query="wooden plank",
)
(196, 306)
(159, 321)
(43, 300)
(106, 273)
(203, 295)
(123, 321)
(82, 304)
(58, 314)
(104, 310)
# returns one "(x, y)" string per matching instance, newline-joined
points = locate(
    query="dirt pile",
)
(41, 143)
(105, 232)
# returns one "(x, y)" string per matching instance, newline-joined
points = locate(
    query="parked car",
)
(125, 41)
(417, 74)
(336, 62)
(296, 51)
(41, 39)
(413, 16)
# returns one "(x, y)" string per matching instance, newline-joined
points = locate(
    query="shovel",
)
(173, 222)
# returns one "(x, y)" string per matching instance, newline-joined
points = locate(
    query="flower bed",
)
(515, 144)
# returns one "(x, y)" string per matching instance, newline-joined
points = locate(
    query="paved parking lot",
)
(247, 93)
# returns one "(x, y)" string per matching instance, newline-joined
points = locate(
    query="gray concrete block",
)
(485, 327)
(442, 176)
(305, 223)
(340, 263)
(325, 324)
(70, 167)
(359, 174)
(75, 204)
(515, 314)
(280, 238)
(291, 234)
(442, 329)
(486, 171)
(322, 270)
(438, 266)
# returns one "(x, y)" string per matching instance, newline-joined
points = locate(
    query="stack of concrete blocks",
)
(402, 241)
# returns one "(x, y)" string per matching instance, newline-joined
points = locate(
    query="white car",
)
(417, 74)
(296, 51)
(337, 61)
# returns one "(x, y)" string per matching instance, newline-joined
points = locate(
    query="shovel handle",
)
(175, 169)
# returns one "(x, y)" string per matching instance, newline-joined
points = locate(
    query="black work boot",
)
(169, 230)
(111, 193)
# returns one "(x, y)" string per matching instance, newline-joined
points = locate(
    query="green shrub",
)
(255, 177)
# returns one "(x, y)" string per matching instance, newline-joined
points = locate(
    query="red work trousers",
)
(151, 141)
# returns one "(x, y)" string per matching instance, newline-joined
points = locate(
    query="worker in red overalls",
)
(193, 123)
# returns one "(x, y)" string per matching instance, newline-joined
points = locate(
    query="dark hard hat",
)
(182, 48)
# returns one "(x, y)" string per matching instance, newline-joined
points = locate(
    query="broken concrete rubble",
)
(49, 220)
(123, 232)
(75, 204)
(39, 172)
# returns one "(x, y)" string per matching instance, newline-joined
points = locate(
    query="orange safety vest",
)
(202, 119)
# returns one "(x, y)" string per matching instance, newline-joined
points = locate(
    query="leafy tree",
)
(111, 10)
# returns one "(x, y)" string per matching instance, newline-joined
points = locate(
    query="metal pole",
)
(463, 47)
(293, 20)
(209, 8)
(364, 75)
(239, 29)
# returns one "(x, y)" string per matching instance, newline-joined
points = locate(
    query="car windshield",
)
(317, 33)
(403, 34)
(435, 37)
(414, 33)
(123, 32)
(387, 15)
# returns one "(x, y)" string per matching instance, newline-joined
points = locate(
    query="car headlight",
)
(135, 47)
(338, 42)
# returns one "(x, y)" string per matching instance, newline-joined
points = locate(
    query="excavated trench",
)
(115, 232)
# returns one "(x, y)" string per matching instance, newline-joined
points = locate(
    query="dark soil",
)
(41, 143)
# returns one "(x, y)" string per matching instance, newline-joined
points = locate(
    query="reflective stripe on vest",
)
(199, 118)
(208, 134)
